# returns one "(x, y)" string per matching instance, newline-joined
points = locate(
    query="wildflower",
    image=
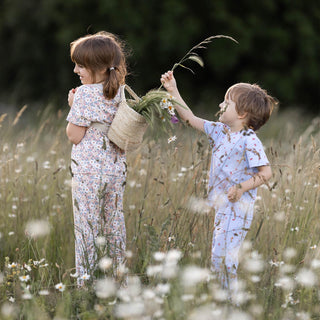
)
(174, 119)
(43, 265)
(171, 139)
(198, 205)
(154, 270)
(289, 253)
(105, 263)
(313, 247)
(26, 296)
(11, 233)
(306, 277)
(255, 279)
(85, 277)
(315, 264)
(74, 275)
(279, 216)
(219, 294)
(173, 256)
(192, 275)
(285, 282)
(289, 299)
(43, 292)
(131, 184)
(254, 263)
(159, 256)
(12, 265)
(295, 229)
(148, 294)
(105, 288)
(163, 288)
(164, 103)
(60, 286)
(130, 310)
(27, 267)
(25, 278)
(171, 110)
(142, 172)
(101, 241)
(12, 299)
(46, 165)
(37, 228)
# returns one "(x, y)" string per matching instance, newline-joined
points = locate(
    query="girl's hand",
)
(71, 96)
(168, 81)
(235, 193)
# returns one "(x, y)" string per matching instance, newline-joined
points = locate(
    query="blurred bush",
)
(278, 46)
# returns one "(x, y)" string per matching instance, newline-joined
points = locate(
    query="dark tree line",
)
(279, 46)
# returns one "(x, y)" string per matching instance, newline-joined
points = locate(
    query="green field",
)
(169, 229)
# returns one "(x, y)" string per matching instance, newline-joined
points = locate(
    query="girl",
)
(98, 166)
(239, 165)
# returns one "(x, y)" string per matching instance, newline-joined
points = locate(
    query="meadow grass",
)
(169, 229)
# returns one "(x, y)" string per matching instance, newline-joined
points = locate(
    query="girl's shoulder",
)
(89, 88)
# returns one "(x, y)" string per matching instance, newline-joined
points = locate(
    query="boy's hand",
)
(168, 81)
(235, 193)
(71, 96)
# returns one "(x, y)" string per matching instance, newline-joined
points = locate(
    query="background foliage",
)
(278, 46)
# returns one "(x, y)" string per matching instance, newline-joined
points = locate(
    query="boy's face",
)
(228, 112)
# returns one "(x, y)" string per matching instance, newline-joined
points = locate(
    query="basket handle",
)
(131, 92)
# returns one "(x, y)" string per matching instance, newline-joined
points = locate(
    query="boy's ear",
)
(243, 116)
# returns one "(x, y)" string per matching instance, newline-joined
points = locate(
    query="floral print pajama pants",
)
(230, 229)
(98, 220)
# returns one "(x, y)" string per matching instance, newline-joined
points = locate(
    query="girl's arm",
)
(169, 82)
(75, 133)
(264, 174)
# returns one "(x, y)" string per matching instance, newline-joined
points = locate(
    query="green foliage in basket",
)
(157, 105)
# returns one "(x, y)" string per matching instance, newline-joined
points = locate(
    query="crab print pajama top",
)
(99, 171)
(235, 158)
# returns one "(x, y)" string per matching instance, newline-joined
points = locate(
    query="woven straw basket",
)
(128, 126)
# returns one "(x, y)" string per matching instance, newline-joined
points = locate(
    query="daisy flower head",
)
(85, 277)
(12, 265)
(60, 286)
(164, 103)
(24, 278)
(171, 109)
(171, 139)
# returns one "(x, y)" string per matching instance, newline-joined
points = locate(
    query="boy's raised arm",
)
(169, 83)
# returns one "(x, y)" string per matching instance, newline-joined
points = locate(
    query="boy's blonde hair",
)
(252, 100)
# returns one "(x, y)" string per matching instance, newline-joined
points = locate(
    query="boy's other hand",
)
(235, 193)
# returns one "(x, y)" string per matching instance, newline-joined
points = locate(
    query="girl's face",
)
(86, 76)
